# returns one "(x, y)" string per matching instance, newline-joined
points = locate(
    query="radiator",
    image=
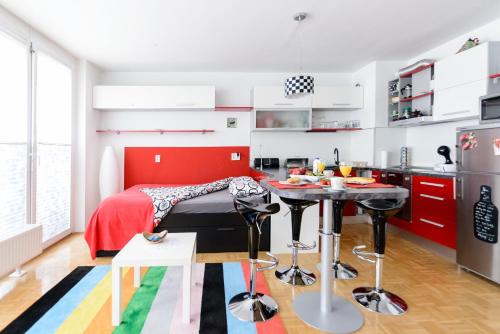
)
(19, 246)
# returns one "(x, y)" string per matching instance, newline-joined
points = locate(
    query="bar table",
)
(323, 309)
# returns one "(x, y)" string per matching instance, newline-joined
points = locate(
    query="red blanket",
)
(118, 218)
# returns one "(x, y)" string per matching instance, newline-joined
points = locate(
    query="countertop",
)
(281, 173)
(348, 194)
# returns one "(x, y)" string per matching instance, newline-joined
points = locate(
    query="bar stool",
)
(377, 299)
(295, 275)
(340, 270)
(250, 305)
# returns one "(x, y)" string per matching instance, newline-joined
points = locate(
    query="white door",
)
(52, 147)
(14, 148)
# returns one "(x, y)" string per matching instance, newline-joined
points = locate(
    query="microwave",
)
(490, 108)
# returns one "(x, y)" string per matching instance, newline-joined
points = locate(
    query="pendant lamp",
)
(299, 85)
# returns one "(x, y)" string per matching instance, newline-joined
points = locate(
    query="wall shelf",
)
(233, 108)
(332, 129)
(416, 97)
(160, 131)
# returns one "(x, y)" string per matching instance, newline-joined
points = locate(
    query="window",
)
(13, 133)
(53, 145)
(36, 109)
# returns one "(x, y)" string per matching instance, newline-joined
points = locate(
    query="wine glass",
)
(345, 170)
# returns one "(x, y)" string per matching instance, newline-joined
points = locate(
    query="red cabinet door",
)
(433, 209)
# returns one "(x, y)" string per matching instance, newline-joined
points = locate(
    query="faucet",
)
(336, 160)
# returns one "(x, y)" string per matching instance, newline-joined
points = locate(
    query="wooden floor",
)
(441, 298)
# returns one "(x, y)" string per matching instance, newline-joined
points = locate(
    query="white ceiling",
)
(251, 35)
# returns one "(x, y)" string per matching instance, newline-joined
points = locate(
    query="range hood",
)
(416, 121)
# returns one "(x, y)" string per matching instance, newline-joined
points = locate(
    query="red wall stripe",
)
(183, 165)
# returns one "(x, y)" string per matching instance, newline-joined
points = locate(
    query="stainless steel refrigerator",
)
(478, 199)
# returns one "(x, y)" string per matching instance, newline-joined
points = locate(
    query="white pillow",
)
(245, 186)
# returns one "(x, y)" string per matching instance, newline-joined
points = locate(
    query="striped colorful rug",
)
(81, 303)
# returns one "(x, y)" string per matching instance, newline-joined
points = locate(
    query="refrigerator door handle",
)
(459, 155)
(459, 188)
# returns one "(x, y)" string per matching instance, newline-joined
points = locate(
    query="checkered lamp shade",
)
(299, 85)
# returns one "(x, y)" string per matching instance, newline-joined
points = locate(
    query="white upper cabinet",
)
(461, 68)
(459, 102)
(337, 97)
(154, 97)
(461, 79)
(273, 97)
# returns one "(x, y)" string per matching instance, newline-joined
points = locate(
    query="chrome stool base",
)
(380, 301)
(259, 308)
(295, 276)
(342, 270)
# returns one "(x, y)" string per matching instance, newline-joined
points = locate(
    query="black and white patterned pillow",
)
(245, 186)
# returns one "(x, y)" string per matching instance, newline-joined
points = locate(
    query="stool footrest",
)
(357, 250)
(301, 246)
(271, 264)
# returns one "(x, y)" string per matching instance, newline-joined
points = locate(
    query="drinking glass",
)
(345, 169)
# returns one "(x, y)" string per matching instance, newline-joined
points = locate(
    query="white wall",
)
(232, 89)
(390, 140)
(88, 144)
(424, 141)
(284, 145)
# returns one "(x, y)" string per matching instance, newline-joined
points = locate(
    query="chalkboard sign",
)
(486, 217)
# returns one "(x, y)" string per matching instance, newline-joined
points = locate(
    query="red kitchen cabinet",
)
(433, 209)
(376, 174)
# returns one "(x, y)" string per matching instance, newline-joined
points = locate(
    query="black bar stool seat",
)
(295, 275)
(250, 305)
(377, 299)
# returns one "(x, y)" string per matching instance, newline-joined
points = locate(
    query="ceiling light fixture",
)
(299, 85)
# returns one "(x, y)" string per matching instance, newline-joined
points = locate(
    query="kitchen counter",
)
(282, 172)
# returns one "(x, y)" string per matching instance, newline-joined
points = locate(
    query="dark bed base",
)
(216, 232)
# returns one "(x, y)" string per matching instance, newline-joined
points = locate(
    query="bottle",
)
(316, 163)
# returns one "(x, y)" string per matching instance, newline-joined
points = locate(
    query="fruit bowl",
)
(155, 237)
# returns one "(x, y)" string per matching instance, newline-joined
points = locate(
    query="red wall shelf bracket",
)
(417, 96)
(160, 131)
(418, 69)
(233, 108)
(495, 77)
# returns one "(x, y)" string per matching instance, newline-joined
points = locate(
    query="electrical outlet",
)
(232, 122)
(235, 156)
(157, 159)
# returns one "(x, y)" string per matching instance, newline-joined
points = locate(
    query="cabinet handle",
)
(430, 222)
(432, 197)
(341, 104)
(283, 104)
(456, 112)
(439, 185)
(226, 229)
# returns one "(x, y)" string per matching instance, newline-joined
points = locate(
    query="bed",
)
(212, 216)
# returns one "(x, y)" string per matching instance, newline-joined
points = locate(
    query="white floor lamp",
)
(109, 174)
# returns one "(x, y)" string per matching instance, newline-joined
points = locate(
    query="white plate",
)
(309, 178)
(301, 183)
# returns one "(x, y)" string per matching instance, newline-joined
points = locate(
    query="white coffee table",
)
(178, 249)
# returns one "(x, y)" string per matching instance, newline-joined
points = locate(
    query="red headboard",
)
(183, 165)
